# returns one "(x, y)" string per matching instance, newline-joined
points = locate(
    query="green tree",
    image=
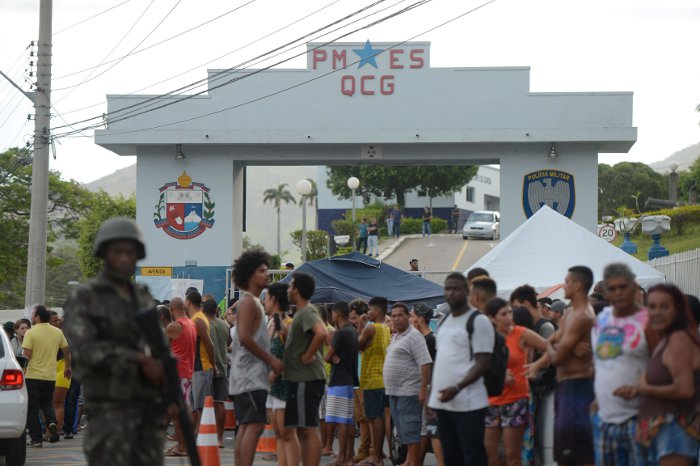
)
(103, 207)
(276, 196)
(317, 243)
(63, 272)
(67, 201)
(689, 177)
(394, 182)
(624, 183)
(445, 180)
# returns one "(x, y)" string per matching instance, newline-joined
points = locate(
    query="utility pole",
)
(38, 217)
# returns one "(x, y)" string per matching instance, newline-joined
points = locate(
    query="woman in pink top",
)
(508, 414)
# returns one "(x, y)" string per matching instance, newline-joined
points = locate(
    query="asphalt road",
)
(439, 253)
(70, 453)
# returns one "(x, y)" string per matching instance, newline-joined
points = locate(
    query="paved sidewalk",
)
(70, 453)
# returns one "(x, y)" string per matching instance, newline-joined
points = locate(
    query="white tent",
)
(542, 249)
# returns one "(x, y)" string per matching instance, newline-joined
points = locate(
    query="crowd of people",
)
(54, 403)
(623, 366)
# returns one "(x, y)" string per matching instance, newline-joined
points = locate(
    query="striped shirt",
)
(404, 358)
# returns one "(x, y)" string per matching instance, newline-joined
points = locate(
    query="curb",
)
(401, 239)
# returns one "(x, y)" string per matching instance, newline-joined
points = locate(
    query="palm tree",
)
(312, 199)
(276, 196)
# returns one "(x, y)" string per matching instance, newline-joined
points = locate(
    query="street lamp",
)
(353, 184)
(304, 188)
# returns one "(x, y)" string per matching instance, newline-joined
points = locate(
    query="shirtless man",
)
(569, 350)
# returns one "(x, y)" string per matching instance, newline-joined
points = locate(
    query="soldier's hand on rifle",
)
(276, 366)
(152, 369)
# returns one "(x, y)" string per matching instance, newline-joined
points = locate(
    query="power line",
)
(218, 75)
(91, 17)
(257, 71)
(11, 70)
(410, 7)
(21, 96)
(118, 43)
(121, 59)
(132, 52)
(215, 59)
(390, 16)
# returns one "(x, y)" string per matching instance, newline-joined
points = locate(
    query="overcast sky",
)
(648, 47)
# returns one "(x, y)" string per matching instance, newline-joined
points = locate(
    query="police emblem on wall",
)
(185, 209)
(552, 188)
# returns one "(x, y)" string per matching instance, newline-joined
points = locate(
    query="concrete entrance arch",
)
(356, 103)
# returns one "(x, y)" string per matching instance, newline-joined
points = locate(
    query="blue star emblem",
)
(367, 55)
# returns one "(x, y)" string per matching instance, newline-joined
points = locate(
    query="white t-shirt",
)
(453, 361)
(621, 357)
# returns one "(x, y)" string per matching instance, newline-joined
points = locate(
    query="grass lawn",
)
(674, 243)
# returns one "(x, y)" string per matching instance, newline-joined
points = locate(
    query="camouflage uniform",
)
(125, 412)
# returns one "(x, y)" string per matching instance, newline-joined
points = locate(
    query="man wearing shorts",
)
(251, 360)
(342, 354)
(573, 395)
(204, 357)
(182, 336)
(303, 368)
(373, 343)
(406, 375)
(219, 338)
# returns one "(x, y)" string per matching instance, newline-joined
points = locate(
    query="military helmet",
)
(118, 228)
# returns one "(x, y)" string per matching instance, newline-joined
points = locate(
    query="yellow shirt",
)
(44, 340)
(203, 356)
(372, 372)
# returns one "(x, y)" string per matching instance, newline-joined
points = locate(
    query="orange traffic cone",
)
(268, 441)
(230, 423)
(207, 440)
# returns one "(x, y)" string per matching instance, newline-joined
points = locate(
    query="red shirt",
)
(516, 365)
(184, 348)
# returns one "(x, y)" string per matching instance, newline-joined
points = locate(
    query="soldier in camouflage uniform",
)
(123, 385)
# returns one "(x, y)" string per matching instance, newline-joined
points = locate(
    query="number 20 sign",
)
(607, 232)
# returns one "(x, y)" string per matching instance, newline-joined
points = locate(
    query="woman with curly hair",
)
(669, 392)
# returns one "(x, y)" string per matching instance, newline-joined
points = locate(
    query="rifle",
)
(149, 324)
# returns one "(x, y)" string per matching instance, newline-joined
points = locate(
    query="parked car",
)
(483, 224)
(13, 405)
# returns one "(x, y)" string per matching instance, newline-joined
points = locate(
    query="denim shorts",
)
(671, 439)
(407, 413)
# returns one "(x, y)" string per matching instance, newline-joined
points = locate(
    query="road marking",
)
(460, 255)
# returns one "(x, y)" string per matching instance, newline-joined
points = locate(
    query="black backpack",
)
(495, 377)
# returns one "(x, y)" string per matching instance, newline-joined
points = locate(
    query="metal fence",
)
(681, 269)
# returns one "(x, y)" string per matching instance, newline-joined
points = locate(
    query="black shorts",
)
(303, 400)
(375, 402)
(250, 407)
(219, 389)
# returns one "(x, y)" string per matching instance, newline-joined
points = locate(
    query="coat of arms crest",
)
(185, 209)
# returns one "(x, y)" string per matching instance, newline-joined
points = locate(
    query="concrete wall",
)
(213, 247)
(579, 160)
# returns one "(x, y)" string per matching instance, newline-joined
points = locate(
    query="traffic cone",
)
(268, 441)
(207, 440)
(230, 423)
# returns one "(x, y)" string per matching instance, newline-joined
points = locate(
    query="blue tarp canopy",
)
(355, 275)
